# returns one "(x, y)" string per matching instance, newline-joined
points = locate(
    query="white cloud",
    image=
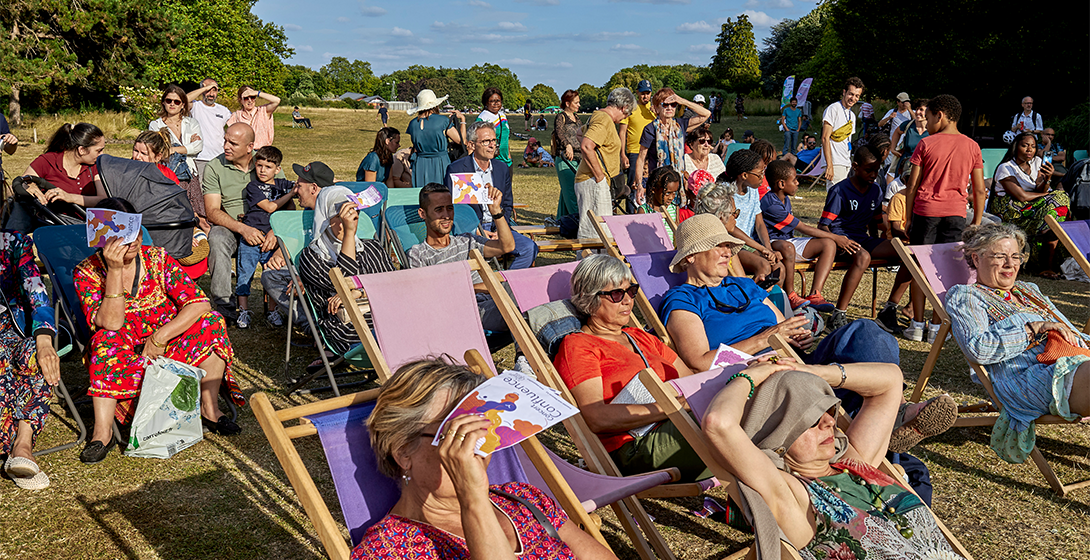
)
(781, 3)
(760, 19)
(478, 50)
(696, 27)
(510, 26)
(525, 62)
(540, 2)
(343, 19)
(653, 1)
(403, 52)
(706, 48)
(301, 48)
(371, 11)
(399, 32)
(625, 48)
(479, 4)
(293, 27)
(329, 55)
(605, 35)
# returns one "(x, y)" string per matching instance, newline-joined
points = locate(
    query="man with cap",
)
(275, 278)
(895, 117)
(699, 99)
(632, 127)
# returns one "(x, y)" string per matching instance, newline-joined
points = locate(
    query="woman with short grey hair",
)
(601, 148)
(718, 199)
(597, 362)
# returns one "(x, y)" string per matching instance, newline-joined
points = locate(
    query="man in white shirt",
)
(1027, 120)
(212, 117)
(902, 113)
(837, 128)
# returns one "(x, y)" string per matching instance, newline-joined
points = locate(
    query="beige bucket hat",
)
(698, 234)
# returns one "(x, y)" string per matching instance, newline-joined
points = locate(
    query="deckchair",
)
(294, 231)
(935, 269)
(373, 212)
(698, 391)
(731, 148)
(364, 494)
(1075, 235)
(815, 170)
(1078, 155)
(405, 228)
(442, 306)
(992, 157)
(539, 285)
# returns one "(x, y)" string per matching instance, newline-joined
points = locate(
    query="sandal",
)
(21, 467)
(37, 482)
(935, 417)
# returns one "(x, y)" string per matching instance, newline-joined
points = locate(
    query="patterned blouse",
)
(566, 132)
(398, 537)
(22, 286)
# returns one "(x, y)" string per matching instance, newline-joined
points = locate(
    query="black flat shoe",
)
(224, 426)
(95, 451)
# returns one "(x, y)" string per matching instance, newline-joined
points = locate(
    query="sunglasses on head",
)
(831, 412)
(617, 295)
(172, 101)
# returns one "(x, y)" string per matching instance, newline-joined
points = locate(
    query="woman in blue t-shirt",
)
(376, 165)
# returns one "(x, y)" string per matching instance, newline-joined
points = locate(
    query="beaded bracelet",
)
(752, 385)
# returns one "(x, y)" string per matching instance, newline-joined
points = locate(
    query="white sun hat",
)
(426, 100)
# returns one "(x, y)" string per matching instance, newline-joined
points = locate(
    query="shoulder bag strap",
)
(638, 350)
(540, 516)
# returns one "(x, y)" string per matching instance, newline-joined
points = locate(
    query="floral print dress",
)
(114, 357)
(24, 394)
(863, 513)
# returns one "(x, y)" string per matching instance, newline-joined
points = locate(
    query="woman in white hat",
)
(430, 133)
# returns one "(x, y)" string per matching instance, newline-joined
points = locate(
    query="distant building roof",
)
(374, 99)
(352, 95)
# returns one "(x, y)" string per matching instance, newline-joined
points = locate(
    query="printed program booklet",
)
(366, 199)
(469, 188)
(104, 225)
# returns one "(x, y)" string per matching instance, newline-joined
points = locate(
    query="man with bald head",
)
(225, 180)
(1028, 120)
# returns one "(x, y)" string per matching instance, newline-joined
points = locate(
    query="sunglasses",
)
(172, 101)
(728, 309)
(249, 97)
(617, 295)
(831, 412)
(670, 105)
(705, 141)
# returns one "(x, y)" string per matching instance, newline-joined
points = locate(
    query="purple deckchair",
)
(1079, 232)
(944, 265)
(540, 284)
(639, 233)
(652, 272)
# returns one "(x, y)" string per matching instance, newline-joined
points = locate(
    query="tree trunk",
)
(15, 111)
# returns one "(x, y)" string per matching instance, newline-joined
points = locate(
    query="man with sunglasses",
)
(213, 119)
(482, 143)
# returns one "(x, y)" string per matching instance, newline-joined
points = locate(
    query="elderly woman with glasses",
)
(714, 308)
(448, 508)
(601, 148)
(598, 363)
(662, 142)
(1037, 360)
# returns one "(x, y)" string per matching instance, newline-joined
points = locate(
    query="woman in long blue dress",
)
(430, 133)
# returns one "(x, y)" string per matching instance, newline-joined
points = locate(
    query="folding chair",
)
(1075, 235)
(698, 391)
(731, 148)
(935, 269)
(532, 287)
(992, 158)
(815, 171)
(1079, 155)
(405, 227)
(442, 299)
(294, 231)
(364, 494)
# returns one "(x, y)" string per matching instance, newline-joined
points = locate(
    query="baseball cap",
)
(643, 86)
(699, 98)
(902, 96)
(314, 172)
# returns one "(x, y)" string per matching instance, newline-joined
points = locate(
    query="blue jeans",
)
(861, 340)
(248, 258)
(525, 250)
(790, 141)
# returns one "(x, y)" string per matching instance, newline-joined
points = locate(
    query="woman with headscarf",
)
(336, 245)
(430, 133)
(801, 475)
(663, 140)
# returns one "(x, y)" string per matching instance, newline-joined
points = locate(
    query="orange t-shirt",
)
(584, 356)
(261, 121)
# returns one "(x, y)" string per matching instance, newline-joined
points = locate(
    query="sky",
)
(561, 43)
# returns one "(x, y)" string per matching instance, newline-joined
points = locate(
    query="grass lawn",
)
(229, 498)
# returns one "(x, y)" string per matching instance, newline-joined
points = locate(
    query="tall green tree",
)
(225, 41)
(735, 63)
(591, 98)
(343, 76)
(542, 96)
(96, 44)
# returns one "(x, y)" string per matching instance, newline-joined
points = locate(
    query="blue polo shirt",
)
(721, 327)
(849, 212)
(779, 220)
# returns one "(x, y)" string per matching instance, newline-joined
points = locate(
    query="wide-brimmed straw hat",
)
(426, 100)
(698, 234)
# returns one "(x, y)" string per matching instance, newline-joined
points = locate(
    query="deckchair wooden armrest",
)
(530, 230)
(554, 245)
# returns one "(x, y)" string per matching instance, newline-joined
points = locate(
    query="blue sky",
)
(561, 43)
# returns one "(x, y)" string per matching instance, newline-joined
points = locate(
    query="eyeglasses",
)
(997, 258)
(172, 101)
(495, 100)
(665, 105)
(489, 142)
(724, 308)
(736, 213)
(617, 295)
(755, 174)
(249, 97)
(831, 412)
(705, 141)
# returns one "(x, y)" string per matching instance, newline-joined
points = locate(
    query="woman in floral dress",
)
(140, 305)
(29, 365)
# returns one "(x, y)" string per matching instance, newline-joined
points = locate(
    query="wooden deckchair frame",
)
(630, 514)
(982, 374)
(1076, 253)
(329, 530)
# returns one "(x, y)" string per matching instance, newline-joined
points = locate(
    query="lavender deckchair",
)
(432, 311)
(1075, 235)
(936, 268)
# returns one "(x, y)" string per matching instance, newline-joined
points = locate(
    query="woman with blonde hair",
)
(259, 117)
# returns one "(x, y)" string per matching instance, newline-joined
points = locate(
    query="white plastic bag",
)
(168, 414)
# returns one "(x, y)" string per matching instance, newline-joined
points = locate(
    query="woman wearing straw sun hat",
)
(430, 133)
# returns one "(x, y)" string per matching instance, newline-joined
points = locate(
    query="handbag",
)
(1056, 347)
(456, 151)
(177, 164)
(618, 187)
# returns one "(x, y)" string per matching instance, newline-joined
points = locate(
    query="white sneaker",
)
(523, 366)
(244, 319)
(933, 333)
(275, 319)
(914, 331)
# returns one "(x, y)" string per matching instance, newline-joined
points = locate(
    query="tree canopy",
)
(735, 63)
